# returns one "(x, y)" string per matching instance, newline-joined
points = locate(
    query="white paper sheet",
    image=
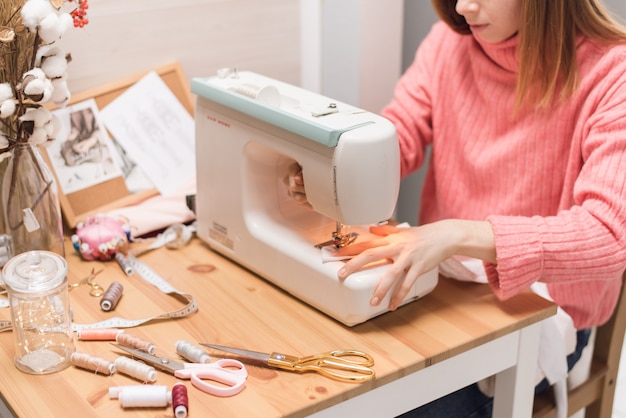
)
(156, 130)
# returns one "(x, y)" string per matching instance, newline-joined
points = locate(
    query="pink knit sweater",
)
(552, 183)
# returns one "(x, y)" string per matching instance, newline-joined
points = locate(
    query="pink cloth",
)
(551, 183)
(158, 212)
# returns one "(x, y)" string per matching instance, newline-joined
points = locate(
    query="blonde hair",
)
(548, 69)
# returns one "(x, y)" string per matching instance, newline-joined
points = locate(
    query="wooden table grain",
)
(238, 308)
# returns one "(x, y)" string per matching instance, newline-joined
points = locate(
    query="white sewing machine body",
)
(249, 130)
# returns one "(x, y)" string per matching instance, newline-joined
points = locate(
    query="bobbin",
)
(191, 352)
(128, 340)
(111, 297)
(93, 363)
(124, 264)
(136, 369)
(141, 396)
(180, 400)
(98, 334)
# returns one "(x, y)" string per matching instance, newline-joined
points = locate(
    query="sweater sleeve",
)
(411, 108)
(581, 251)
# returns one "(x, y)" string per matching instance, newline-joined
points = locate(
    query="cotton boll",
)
(6, 92)
(41, 116)
(54, 66)
(4, 142)
(34, 11)
(61, 93)
(47, 51)
(50, 28)
(33, 84)
(53, 26)
(4, 156)
(39, 136)
(65, 22)
(46, 91)
(36, 73)
(7, 108)
(39, 91)
(44, 116)
(29, 115)
(49, 128)
(34, 89)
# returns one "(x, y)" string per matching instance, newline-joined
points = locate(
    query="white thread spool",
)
(268, 95)
(192, 353)
(141, 396)
(135, 369)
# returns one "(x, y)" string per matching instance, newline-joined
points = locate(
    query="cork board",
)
(113, 193)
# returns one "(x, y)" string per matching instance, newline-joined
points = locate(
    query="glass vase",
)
(6, 250)
(30, 201)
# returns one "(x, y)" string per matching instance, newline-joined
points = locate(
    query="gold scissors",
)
(344, 365)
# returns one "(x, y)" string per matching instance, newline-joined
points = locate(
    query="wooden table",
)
(457, 334)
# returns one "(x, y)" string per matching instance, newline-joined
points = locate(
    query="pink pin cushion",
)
(100, 237)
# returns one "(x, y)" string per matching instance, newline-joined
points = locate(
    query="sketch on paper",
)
(83, 154)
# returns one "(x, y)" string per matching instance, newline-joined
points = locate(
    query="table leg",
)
(514, 391)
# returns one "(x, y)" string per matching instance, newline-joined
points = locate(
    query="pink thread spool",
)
(128, 340)
(93, 363)
(98, 334)
(180, 400)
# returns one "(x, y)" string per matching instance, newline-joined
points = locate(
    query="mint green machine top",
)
(300, 125)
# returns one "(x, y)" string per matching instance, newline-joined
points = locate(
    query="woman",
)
(524, 105)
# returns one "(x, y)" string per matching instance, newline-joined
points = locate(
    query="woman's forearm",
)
(472, 239)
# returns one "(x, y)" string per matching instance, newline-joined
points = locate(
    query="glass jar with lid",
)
(37, 287)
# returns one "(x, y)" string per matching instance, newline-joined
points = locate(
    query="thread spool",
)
(268, 95)
(128, 340)
(141, 396)
(136, 369)
(95, 334)
(111, 297)
(180, 400)
(192, 353)
(93, 363)
(124, 263)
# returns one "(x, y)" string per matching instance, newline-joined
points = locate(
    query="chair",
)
(597, 392)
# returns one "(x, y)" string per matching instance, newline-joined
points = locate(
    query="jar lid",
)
(34, 271)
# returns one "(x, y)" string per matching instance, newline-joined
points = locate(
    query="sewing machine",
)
(250, 130)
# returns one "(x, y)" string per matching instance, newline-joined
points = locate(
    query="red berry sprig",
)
(79, 15)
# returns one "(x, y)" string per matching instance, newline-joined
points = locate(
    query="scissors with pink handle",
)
(230, 374)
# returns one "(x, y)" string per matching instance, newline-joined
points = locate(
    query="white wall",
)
(352, 49)
(125, 37)
(419, 16)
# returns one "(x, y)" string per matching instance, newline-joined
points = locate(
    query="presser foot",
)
(339, 240)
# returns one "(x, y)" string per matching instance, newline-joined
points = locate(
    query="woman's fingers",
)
(384, 230)
(295, 184)
(399, 280)
(364, 254)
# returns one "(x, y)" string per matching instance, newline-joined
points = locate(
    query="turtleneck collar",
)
(503, 54)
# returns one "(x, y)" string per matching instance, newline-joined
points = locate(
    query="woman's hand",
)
(415, 251)
(295, 184)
